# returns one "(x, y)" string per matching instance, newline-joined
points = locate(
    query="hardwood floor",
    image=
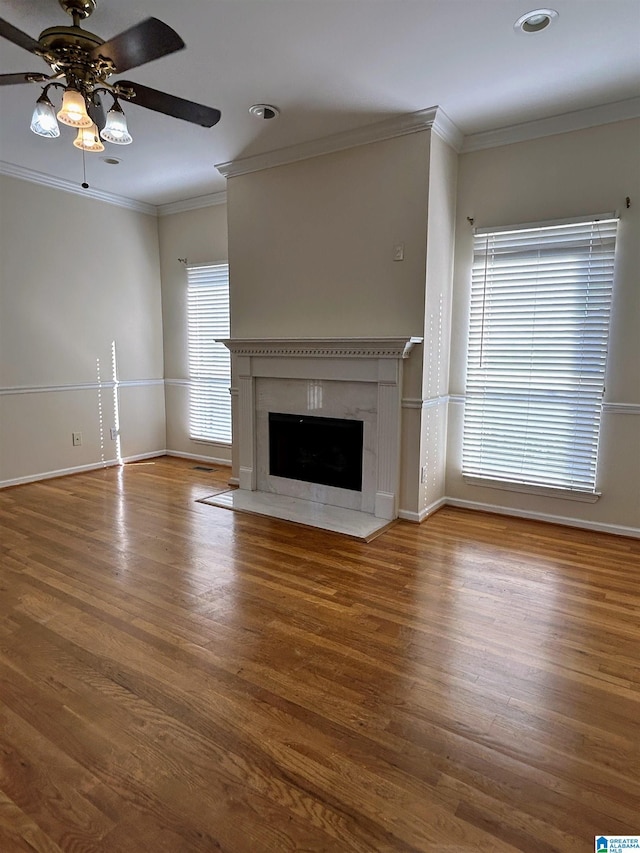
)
(178, 678)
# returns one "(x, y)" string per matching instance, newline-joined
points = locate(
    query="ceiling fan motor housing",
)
(66, 38)
(68, 50)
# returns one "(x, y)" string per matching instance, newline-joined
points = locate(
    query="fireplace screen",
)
(317, 450)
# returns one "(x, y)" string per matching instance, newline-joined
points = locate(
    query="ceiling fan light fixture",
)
(43, 120)
(81, 63)
(88, 139)
(115, 130)
(74, 110)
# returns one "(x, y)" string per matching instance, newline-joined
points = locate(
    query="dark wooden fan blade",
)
(170, 105)
(11, 33)
(27, 77)
(148, 40)
(95, 108)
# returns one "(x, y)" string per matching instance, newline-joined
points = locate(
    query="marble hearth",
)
(357, 379)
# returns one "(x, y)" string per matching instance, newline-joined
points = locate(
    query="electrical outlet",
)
(114, 433)
(76, 438)
(398, 252)
(423, 474)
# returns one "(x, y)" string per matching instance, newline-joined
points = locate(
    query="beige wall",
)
(201, 237)
(311, 243)
(573, 174)
(76, 275)
(424, 418)
(437, 321)
(311, 247)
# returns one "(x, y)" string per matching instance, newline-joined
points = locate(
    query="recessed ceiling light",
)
(264, 111)
(535, 21)
(110, 161)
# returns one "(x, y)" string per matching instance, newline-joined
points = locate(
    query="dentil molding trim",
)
(324, 347)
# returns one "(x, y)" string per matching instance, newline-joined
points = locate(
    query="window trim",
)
(530, 489)
(207, 356)
(546, 223)
(580, 491)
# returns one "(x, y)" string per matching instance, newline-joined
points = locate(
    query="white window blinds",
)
(540, 305)
(209, 362)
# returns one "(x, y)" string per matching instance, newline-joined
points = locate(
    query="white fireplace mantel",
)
(360, 377)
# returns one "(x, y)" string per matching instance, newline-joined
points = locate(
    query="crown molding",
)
(197, 203)
(433, 118)
(43, 179)
(13, 171)
(565, 123)
(447, 130)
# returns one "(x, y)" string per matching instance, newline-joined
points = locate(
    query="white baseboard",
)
(62, 472)
(212, 459)
(108, 463)
(78, 469)
(405, 515)
(140, 457)
(601, 527)
(418, 517)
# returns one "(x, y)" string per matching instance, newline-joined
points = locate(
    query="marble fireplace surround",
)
(359, 378)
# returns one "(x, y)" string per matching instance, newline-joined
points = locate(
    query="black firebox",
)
(317, 450)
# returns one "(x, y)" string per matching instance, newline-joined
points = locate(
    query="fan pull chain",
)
(85, 185)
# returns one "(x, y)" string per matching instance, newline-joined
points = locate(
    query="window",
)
(539, 325)
(209, 362)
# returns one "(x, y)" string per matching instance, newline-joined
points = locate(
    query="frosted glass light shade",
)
(43, 121)
(88, 139)
(115, 130)
(74, 110)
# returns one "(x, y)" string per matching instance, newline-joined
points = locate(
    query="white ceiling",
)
(330, 66)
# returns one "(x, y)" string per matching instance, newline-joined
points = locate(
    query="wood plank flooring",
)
(179, 678)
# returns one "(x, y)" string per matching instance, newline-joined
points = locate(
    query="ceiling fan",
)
(81, 64)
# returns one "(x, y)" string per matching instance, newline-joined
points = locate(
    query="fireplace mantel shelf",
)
(324, 347)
